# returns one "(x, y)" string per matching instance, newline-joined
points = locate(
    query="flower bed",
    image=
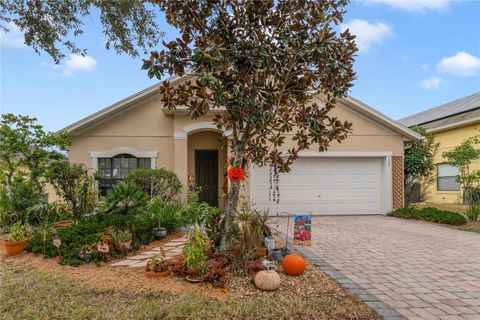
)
(310, 295)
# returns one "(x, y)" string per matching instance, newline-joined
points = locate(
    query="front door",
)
(206, 175)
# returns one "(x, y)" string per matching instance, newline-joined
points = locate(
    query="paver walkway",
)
(401, 268)
(172, 249)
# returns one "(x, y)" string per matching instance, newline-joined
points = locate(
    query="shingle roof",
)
(445, 110)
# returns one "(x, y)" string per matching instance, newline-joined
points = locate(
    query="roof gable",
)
(123, 105)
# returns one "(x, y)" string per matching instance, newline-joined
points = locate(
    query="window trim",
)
(438, 178)
(112, 181)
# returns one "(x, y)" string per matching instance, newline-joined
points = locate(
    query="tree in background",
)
(26, 147)
(129, 26)
(419, 165)
(26, 151)
(462, 157)
(264, 62)
(72, 182)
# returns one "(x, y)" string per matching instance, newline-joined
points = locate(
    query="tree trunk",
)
(231, 206)
(8, 183)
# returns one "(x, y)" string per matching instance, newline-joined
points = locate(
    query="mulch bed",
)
(313, 283)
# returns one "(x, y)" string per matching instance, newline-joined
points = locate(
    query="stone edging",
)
(384, 310)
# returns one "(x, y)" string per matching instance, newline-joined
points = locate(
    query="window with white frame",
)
(114, 170)
(447, 177)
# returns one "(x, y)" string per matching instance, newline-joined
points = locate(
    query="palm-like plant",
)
(124, 198)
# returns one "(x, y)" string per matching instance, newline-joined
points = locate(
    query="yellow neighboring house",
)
(450, 123)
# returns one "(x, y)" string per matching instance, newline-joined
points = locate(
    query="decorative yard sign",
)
(302, 230)
(103, 248)
(57, 243)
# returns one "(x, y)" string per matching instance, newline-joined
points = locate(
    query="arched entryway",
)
(206, 165)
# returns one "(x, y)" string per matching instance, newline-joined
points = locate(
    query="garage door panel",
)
(323, 186)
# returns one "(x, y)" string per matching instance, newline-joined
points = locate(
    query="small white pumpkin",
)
(267, 280)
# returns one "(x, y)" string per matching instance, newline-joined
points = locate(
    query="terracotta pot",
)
(15, 247)
(262, 251)
(125, 245)
(151, 274)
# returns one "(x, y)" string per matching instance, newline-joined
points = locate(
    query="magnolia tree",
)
(263, 62)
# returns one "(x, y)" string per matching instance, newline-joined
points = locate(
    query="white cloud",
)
(367, 34)
(77, 62)
(424, 66)
(431, 83)
(13, 38)
(462, 64)
(413, 5)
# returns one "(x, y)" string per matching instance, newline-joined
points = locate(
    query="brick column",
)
(397, 182)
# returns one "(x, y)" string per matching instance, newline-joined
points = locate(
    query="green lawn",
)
(29, 294)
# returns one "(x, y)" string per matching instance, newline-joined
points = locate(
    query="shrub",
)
(72, 183)
(473, 212)
(120, 236)
(195, 257)
(429, 214)
(24, 195)
(177, 265)
(88, 232)
(124, 198)
(216, 268)
(161, 182)
(168, 214)
(45, 213)
(248, 233)
(198, 214)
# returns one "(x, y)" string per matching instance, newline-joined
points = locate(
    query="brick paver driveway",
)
(401, 268)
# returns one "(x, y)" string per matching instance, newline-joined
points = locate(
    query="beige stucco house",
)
(362, 175)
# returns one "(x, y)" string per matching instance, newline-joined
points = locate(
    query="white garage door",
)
(323, 185)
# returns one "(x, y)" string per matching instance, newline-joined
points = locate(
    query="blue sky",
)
(414, 55)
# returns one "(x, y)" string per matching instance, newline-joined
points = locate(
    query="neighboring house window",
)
(447, 177)
(114, 170)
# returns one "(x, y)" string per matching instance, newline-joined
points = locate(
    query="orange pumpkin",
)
(294, 265)
(235, 174)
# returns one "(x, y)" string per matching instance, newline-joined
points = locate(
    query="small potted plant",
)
(122, 239)
(157, 267)
(16, 240)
